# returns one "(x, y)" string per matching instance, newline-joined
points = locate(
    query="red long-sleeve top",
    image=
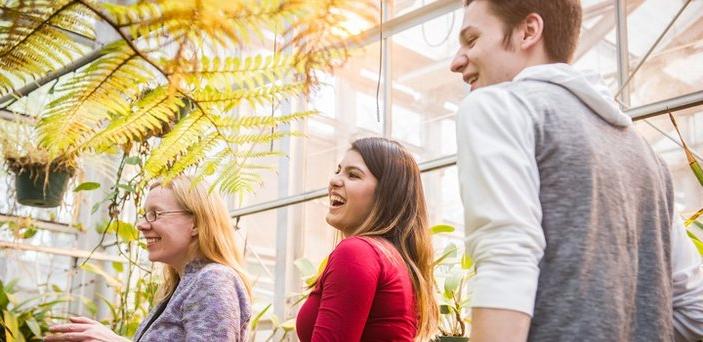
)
(364, 294)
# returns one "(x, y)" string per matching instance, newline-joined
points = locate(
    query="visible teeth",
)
(336, 199)
(152, 240)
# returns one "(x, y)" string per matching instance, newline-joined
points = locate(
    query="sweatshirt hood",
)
(587, 86)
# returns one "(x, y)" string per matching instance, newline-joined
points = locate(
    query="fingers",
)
(82, 320)
(67, 328)
(66, 337)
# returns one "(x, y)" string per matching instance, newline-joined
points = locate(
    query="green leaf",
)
(126, 187)
(698, 224)
(257, 318)
(288, 325)
(305, 267)
(466, 262)
(87, 186)
(89, 305)
(451, 285)
(134, 160)
(13, 330)
(3, 297)
(445, 309)
(56, 288)
(95, 207)
(29, 232)
(34, 327)
(449, 252)
(442, 228)
(126, 231)
(696, 241)
(92, 268)
(697, 170)
(693, 218)
(117, 266)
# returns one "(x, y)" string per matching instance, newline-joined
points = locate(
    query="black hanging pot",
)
(40, 186)
(452, 339)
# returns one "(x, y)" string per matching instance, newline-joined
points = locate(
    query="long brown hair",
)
(399, 215)
(217, 241)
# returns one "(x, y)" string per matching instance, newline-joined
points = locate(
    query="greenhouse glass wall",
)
(395, 84)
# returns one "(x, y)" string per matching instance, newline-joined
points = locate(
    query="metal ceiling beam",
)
(15, 116)
(427, 166)
(665, 106)
(637, 113)
(61, 251)
(77, 64)
(41, 224)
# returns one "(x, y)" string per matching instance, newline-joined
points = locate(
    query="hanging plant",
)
(208, 56)
(40, 183)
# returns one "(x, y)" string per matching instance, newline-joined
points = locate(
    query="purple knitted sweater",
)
(209, 304)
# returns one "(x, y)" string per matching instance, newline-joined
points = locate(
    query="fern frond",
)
(255, 97)
(260, 121)
(36, 41)
(237, 180)
(187, 132)
(157, 108)
(192, 156)
(102, 90)
(241, 139)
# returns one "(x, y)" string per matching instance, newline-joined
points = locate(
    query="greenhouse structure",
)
(261, 99)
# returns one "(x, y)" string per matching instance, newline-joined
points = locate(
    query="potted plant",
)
(40, 178)
(453, 271)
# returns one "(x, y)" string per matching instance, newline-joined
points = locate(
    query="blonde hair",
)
(216, 236)
(399, 215)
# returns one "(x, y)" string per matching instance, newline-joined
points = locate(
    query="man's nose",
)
(459, 62)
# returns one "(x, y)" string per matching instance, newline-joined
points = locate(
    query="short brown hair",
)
(562, 22)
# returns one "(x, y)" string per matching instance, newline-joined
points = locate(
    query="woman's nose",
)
(335, 181)
(143, 225)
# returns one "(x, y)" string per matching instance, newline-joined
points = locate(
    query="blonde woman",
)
(205, 294)
(378, 283)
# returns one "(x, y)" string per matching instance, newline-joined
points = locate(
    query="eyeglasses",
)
(151, 216)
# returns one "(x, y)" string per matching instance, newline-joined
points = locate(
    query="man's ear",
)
(530, 32)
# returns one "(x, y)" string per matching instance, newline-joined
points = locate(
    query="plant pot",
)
(32, 191)
(452, 339)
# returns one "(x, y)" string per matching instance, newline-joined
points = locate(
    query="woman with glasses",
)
(205, 293)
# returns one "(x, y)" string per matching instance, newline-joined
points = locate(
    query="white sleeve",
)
(687, 275)
(499, 183)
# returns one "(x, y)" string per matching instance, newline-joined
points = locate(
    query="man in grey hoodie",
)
(569, 212)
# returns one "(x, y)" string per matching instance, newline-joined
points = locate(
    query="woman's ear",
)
(194, 231)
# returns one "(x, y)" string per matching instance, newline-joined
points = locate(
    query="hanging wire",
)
(668, 136)
(380, 61)
(443, 40)
(273, 98)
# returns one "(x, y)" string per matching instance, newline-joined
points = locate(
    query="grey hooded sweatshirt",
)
(569, 211)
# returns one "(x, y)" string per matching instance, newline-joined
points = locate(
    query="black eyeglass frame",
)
(156, 214)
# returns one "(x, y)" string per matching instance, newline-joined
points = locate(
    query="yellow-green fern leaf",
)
(103, 90)
(37, 41)
(184, 134)
(151, 113)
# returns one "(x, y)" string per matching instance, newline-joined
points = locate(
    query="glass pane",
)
(688, 191)
(676, 65)
(425, 94)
